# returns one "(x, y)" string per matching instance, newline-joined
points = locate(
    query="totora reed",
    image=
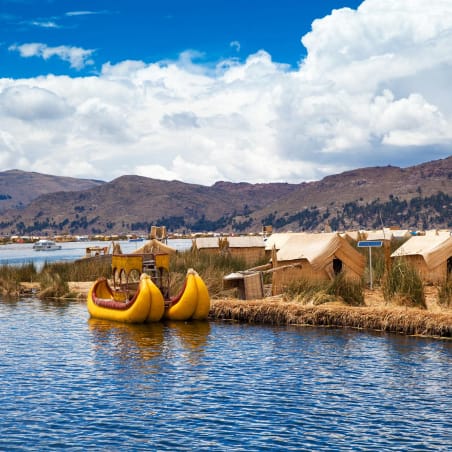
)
(399, 320)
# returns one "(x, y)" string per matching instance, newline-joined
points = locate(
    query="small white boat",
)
(46, 245)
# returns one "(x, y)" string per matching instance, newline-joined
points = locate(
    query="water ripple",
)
(70, 382)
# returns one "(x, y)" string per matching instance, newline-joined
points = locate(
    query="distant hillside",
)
(19, 188)
(414, 197)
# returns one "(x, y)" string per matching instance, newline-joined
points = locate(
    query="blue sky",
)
(151, 30)
(203, 91)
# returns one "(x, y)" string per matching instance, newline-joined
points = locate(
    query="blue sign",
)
(370, 243)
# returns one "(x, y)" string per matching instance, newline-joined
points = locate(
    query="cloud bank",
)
(374, 89)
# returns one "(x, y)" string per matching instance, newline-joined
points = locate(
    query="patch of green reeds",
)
(445, 293)
(211, 267)
(82, 270)
(350, 291)
(308, 292)
(55, 276)
(52, 285)
(320, 292)
(379, 260)
(11, 276)
(403, 285)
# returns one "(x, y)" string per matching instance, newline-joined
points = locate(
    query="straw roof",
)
(278, 239)
(154, 246)
(352, 235)
(318, 249)
(434, 248)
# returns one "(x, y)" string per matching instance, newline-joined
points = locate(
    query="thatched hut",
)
(430, 254)
(249, 248)
(315, 257)
(154, 246)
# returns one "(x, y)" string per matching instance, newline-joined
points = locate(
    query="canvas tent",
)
(315, 257)
(430, 254)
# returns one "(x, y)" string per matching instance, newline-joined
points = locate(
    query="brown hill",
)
(367, 185)
(365, 197)
(18, 188)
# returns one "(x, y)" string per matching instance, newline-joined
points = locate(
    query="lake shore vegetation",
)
(398, 303)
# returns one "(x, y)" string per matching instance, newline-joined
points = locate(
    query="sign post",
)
(370, 244)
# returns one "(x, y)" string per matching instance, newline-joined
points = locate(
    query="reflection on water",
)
(73, 382)
(149, 340)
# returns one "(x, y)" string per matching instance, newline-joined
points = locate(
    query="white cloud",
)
(77, 57)
(374, 89)
(45, 24)
(87, 13)
(235, 45)
(80, 13)
(32, 104)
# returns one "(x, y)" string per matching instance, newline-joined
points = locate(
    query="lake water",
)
(70, 382)
(22, 253)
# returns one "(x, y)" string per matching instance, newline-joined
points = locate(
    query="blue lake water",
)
(22, 253)
(70, 382)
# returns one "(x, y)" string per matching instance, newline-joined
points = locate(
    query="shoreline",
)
(393, 319)
(376, 315)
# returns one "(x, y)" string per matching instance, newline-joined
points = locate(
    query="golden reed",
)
(393, 320)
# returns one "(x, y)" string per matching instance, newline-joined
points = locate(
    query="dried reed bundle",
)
(397, 320)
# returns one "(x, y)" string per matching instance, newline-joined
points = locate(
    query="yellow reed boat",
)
(146, 304)
(134, 297)
(137, 297)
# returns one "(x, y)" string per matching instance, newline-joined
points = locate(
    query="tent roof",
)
(318, 249)
(434, 248)
(278, 239)
(154, 246)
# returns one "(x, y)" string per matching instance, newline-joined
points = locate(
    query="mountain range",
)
(417, 197)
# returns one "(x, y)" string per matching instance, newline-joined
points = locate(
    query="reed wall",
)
(392, 320)
(435, 275)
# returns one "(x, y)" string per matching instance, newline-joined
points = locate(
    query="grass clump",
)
(79, 271)
(321, 292)
(445, 293)
(403, 285)
(211, 267)
(52, 285)
(308, 292)
(12, 276)
(350, 291)
(54, 277)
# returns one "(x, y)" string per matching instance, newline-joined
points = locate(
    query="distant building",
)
(249, 248)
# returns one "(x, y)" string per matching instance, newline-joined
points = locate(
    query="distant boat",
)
(46, 245)
(137, 239)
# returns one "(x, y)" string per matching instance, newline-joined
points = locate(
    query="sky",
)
(203, 91)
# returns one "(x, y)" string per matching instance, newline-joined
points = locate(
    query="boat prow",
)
(147, 303)
(193, 301)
